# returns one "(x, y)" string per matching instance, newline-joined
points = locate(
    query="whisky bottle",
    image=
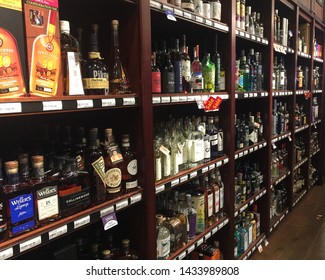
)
(96, 167)
(163, 238)
(112, 158)
(73, 189)
(95, 74)
(119, 82)
(70, 61)
(46, 61)
(129, 165)
(11, 76)
(46, 193)
(19, 202)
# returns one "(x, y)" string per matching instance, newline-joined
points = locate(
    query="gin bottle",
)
(163, 239)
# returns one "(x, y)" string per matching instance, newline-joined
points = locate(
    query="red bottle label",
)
(156, 82)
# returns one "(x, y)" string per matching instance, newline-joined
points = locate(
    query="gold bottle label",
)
(99, 167)
(113, 178)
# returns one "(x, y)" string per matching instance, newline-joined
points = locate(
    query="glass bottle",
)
(113, 160)
(155, 75)
(19, 202)
(45, 63)
(198, 7)
(209, 201)
(197, 83)
(73, 189)
(190, 213)
(163, 239)
(168, 76)
(208, 72)
(282, 75)
(158, 160)
(217, 62)
(95, 76)
(196, 145)
(127, 252)
(70, 61)
(206, 9)
(299, 77)
(188, 5)
(96, 167)
(11, 79)
(213, 133)
(46, 193)
(186, 67)
(216, 10)
(129, 165)
(118, 80)
(199, 205)
(80, 148)
(220, 136)
(176, 58)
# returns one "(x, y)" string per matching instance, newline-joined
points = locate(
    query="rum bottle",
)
(129, 165)
(95, 74)
(19, 202)
(11, 76)
(46, 60)
(119, 82)
(46, 193)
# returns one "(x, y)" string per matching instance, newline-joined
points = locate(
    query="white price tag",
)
(226, 222)
(165, 99)
(58, 232)
(81, 222)
(128, 101)
(6, 254)
(244, 208)
(87, 103)
(199, 242)
(236, 95)
(160, 189)
(174, 182)
(9, 108)
(260, 248)
(258, 39)
(190, 249)
(205, 169)
(108, 102)
(181, 256)
(240, 154)
(245, 152)
(52, 105)
(208, 22)
(122, 204)
(193, 174)
(106, 211)
(156, 100)
(167, 8)
(249, 254)
(253, 37)
(256, 148)
(251, 94)
(190, 98)
(198, 19)
(251, 150)
(211, 166)
(207, 236)
(247, 35)
(183, 179)
(175, 99)
(260, 146)
(215, 230)
(246, 95)
(226, 160)
(241, 33)
(135, 198)
(31, 243)
(183, 99)
(219, 163)
(236, 156)
(187, 15)
(178, 12)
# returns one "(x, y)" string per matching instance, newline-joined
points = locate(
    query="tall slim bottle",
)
(197, 83)
(217, 62)
(119, 82)
(208, 73)
(46, 61)
(186, 67)
(176, 58)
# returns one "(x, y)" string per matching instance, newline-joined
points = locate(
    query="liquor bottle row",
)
(248, 130)
(188, 211)
(299, 181)
(248, 20)
(247, 229)
(282, 34)
(315, 110)
(304, 38)
(174, 72)
(300, 115)
(59, 185)
(314, 142)
(279, 158)
(280, 117)
(183, 144)
(300, 149)
(249, 71)
(279, 200)
(248, 181)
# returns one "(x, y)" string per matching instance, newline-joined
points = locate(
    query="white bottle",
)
(163, 239)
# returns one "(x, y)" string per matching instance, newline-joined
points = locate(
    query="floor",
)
(301, 234)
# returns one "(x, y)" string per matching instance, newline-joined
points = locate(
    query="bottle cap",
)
(37, 159)
(65, 26)
(11, 164)
(114, 23)
(125, 243)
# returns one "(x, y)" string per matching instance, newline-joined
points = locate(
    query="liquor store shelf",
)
(317, 59)
(304, 55)
(317, 91)
(282, 92)
(33, 105)
(298, 198)
(45, 234)
(276, 221)
(279, 179)
(314, 153)
(252, 248)
(249, 202)
(300, 163)
(301, 92)
(168, 99)
(248, 150)
(246, 35)
(254, 94)
(316, 122)
(281, 137)
(313, 182)
(188, 16)
(189, 174)
(198, 240)
(301, 128)
(282, 49)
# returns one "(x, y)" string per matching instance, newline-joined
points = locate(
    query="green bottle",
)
(209, 71)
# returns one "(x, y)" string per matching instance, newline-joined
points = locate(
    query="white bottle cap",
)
(64, 26)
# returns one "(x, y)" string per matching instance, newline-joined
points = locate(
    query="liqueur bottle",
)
(70, 61)
(95, 74)
(45, 63)
(129, 166)
(96, 167)
(19, 202)
(155, 75)
(46, 193)
(119, 82)
(11, 75)
(112, 158)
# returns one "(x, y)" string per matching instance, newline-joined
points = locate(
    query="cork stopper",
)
(37, 159)
(126, 243)
(115, 23)
(11, 164)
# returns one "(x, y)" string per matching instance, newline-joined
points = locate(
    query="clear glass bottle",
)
(216, 10)
(163, 238)
(119, 82)
(158, 160)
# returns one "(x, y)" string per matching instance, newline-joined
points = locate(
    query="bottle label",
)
(95, 83)
(131, 185)
(21, 208)
(282, 78)
(210, 205)
(197, 150)
(73, 198)
(197, 82)
(47, 202)
(216, 200)
(221, 197)
(220, 141)
(186, 70)
(23, 227)
(163, 247)
(198, 204)
(214, 140)
(158, 169)
(115, 154)
(113, 178)
(207, 150)
(99, 168)
(132, 167)
(167, 165)
(156, 82)
(168, 84)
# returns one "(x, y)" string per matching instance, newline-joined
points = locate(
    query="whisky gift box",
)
(43, 47)
(13, 67)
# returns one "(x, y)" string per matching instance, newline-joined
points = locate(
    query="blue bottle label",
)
(23, 227)
(21, 208)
